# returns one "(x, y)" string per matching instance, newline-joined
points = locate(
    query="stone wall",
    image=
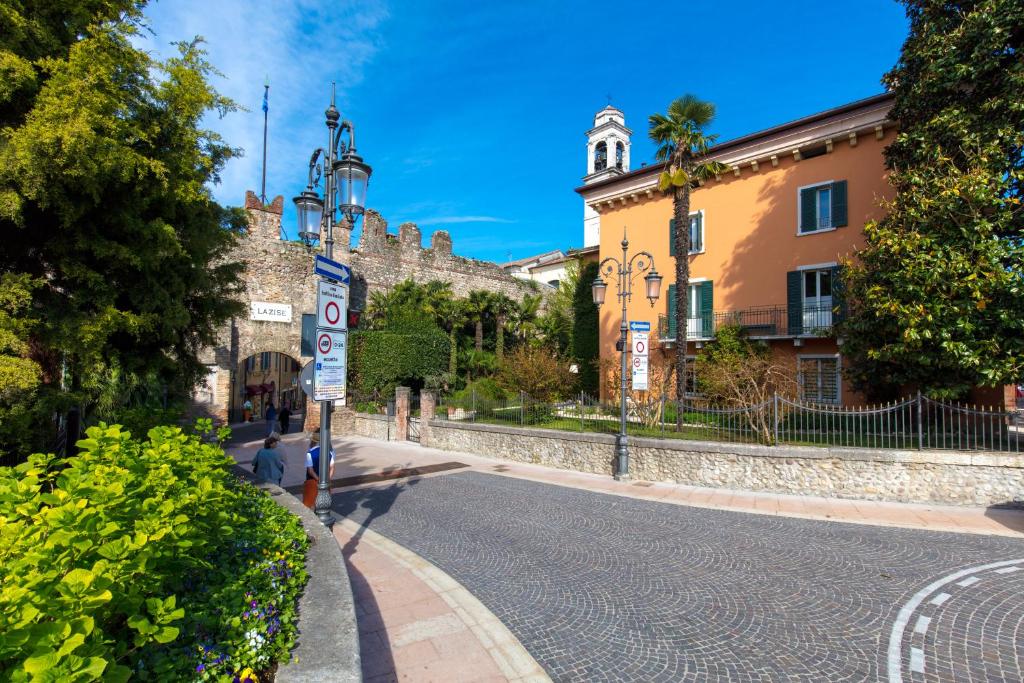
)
(282, 272)
(905, 476)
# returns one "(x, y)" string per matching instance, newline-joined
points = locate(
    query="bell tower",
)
(607, 157)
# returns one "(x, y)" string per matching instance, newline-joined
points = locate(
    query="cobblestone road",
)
(606, 588)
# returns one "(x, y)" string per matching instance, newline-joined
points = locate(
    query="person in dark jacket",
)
(271, 416)
(284, 417)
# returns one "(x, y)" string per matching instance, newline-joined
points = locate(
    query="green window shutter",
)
(698, 243)
(808, 210)
(839, 204)
(706, 308)
(671, 312)
(838, 295)
(672, 237)
(794, 302)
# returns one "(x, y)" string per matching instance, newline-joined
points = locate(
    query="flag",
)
(266, 105)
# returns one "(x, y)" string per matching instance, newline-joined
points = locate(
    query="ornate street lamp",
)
(345, 177)
(625, 271)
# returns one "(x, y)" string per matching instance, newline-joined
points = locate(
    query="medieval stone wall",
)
(282, 272)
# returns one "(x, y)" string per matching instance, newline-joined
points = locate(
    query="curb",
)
(327, 648)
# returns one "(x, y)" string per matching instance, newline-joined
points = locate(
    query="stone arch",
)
(265, 377)
(601, 156)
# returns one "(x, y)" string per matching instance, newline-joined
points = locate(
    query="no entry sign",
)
(331, 306)
(329, 365)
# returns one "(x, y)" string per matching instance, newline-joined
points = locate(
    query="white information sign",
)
(331, 306)
(271, 312)
(329, 365)
(639, 364)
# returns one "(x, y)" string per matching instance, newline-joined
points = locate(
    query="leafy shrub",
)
(383, 360)
(145, 559)
(483, 389)
(538, 372)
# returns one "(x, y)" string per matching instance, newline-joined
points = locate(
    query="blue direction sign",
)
(639, 326)
(332, 270)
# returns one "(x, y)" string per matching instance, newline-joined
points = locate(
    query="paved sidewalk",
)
(414, 621)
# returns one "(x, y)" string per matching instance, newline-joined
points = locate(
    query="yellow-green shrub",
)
(143, 559)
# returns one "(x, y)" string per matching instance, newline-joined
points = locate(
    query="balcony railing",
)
(758, 321)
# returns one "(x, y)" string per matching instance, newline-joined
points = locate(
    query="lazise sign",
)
(270, 312)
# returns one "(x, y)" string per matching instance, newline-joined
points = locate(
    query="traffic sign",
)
(329, 365)
(306, 379)
(331, 306)
(640, 344)
(640, 373)
(639, 326)
(332, 270)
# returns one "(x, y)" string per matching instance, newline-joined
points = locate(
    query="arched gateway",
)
(280, 290)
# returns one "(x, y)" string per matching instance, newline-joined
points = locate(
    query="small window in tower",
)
(600, 157)
(619, 152)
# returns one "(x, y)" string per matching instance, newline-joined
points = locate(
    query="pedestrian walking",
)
(284, 417)
(269, 461)
(313, 469)
(271, 416)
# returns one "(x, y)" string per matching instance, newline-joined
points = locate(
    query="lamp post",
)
(345, 179)
(625, 271)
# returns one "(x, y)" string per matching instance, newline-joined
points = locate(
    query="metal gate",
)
(413, 433)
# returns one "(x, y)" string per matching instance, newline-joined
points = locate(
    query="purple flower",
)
(200, 668)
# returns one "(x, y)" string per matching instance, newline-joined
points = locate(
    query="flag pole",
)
(266, 108)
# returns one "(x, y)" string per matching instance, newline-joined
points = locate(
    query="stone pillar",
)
(428, 406)
(402, 413)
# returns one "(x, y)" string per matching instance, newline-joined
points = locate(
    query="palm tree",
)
(478, 307)
(454, 316)
(503, 307)
(682, 147)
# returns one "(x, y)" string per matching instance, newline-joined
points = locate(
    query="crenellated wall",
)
(281, 272)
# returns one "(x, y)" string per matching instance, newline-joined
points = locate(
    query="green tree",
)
(936, 296)
(454, 315)
(503, 307)
(105, 175)
(478, 308)
(585, 330)
(682, 147)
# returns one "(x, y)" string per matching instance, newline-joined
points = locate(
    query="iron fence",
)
(918, 422)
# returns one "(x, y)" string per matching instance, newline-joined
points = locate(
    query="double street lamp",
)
(625, 271)
(345, 177)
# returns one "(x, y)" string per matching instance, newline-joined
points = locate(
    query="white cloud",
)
(461, 219)
(301, 45)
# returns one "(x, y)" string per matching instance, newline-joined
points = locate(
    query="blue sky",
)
(473, 114)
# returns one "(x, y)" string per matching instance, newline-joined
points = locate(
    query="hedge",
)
(383, 360)
(144, 559)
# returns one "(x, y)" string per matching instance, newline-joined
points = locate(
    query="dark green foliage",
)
(381, 360)
(936, 297)
(105, 201)
(585, 331)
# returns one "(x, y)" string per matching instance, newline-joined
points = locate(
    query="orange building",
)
(767, 236)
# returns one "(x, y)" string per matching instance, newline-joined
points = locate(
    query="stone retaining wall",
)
(905, 476)
(347, 422)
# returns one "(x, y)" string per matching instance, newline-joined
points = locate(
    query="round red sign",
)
(324, 343)
(332, 312)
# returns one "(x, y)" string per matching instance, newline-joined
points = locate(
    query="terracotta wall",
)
(750, 233)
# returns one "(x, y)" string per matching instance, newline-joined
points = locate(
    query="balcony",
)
(760, 322)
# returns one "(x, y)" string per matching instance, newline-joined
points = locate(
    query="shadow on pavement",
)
(374, 643)
(1010, 515)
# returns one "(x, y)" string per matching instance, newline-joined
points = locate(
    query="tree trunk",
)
(499, 347)
(681, 213)
(453, 353)
(479, 334)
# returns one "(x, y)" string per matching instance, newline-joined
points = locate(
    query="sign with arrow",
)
(332, 270)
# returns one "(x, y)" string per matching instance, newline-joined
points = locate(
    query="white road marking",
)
(903, 618)
(922, 624)
(940, 598)
(969, 581)
(1007, 570)
(917, 660)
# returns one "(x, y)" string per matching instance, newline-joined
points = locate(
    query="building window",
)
(600, 157)
(819, 379)
(696, 234)
(690, 381)
(817, 300)
(619, 153)
(822, 207)
(265, 360)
